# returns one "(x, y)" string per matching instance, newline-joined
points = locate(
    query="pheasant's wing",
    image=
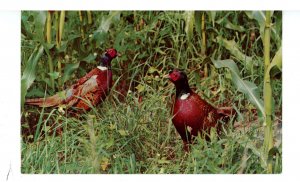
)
(81, 91)
(82, 80)
(90, 99)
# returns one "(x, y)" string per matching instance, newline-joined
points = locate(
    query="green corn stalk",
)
(48, 27)
(81, 21)
(59, 30)
(89, 15)
(61, 25)
(203, 41)
(57, 27)
(49, 40)
(268, 132)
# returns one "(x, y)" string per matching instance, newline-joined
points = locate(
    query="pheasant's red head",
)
(176, 75)
(180, 80)
(112, 53)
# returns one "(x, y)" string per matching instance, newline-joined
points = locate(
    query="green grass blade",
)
(38, 128)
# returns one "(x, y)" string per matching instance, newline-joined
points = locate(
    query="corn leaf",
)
(106, 21)
(189, 24)
(212, 17)
(228, 24)
(69, 70)
(232, 26)
(244, 86)
(260, 17)
(40, 20)
(100, 34)
(29, 72)
(276, 65)
(276, 29)
(277, 60)
(54, 75)
(25, 27)
(234, 49)
(90, 58)
(198, 15)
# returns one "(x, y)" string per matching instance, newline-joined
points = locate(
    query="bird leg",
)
(186, 146)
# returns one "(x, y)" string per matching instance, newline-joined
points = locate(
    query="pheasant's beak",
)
(118, 54)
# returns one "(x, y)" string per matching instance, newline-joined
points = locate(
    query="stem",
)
(59, 37)
(81, 27)
(57, 28)
(205, 71)
(93, 145)
(57, 44)
(203, 42)
(135, 17)
(268, 138)
(48, 30)
(60, 84)
(189, 20)
(89, 15)
(61, 25)
(48, 36)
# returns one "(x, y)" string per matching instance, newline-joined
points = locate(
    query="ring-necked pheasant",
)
(88, 91)
(192, 114)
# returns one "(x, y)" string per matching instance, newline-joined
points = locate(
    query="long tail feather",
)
(45, 102)
(226, 111)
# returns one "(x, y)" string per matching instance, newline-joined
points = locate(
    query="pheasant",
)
(192, 114)
(88, 91)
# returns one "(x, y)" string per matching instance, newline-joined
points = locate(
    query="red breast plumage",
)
(192, 114)
(88, 91)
